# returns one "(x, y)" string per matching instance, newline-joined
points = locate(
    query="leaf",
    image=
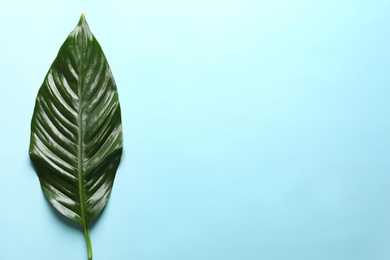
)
(76, 130)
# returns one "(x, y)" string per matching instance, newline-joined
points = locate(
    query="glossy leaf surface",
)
(76, 131)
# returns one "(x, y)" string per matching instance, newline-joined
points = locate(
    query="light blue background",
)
(254, 130)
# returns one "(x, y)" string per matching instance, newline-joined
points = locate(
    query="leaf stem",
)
(89, 244)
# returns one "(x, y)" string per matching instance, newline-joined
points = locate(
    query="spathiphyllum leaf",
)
(76, 131)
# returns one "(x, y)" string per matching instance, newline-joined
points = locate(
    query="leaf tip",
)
(82, 19)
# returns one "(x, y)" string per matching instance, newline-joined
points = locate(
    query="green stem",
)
(88, 240)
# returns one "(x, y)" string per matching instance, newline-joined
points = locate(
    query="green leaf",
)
(76, 130)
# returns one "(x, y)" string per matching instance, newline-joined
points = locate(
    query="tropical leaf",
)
(76, 130)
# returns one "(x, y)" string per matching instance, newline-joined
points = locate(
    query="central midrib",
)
(80, 142)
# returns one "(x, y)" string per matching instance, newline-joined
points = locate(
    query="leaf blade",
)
(76, 131)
